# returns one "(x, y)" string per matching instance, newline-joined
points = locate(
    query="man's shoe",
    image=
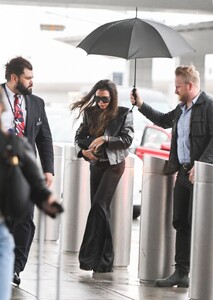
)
(16, 279)
(177, 278)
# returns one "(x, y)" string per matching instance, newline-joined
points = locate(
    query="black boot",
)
(178, 278)
(16, 279)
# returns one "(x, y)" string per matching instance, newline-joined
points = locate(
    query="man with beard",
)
(192, 140)
(33, 124)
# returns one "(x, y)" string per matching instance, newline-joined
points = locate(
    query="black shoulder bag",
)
(16, 190)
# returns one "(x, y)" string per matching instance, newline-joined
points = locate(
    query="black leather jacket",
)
(201, 130)
(120, 132)
(28, 163)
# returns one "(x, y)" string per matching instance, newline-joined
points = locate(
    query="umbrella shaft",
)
(135, 74)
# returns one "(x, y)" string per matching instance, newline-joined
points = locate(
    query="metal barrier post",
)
(121, 215)
(76, 199)
(52, 225)
(156, 243)
(201, 270)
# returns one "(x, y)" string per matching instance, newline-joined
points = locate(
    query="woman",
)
(103, 139)
(39, 194)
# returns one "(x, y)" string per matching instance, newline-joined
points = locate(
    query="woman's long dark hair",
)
(102, 118)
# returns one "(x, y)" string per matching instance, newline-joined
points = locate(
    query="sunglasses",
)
(102, 99)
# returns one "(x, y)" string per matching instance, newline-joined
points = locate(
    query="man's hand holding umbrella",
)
(135, 98)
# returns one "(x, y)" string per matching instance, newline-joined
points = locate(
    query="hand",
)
(51, 207)
(48, 179)
(96, 143)
(138, 101)
(191, 175)
(89, 154)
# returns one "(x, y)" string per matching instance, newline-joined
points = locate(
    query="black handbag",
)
(16, 189)
(84, 144)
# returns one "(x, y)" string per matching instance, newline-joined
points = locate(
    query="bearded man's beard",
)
(183, 98)
(23, 90)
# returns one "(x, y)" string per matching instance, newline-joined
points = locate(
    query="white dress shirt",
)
(8, 116)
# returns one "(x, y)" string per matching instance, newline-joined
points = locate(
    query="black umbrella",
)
(135, 38)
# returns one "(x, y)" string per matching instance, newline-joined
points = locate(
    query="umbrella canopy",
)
(135, 38)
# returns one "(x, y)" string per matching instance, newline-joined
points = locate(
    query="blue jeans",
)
(6, 262)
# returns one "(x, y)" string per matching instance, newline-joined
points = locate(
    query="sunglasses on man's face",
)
(102, 99)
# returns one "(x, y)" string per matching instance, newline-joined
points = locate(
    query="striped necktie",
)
(18, 117)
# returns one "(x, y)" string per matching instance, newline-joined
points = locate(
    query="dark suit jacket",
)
(38, 132)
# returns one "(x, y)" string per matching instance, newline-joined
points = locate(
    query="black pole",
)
(134, 85)
(136, 14)
(135, 74)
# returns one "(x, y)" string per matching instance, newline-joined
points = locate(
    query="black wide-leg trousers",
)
(96, 252)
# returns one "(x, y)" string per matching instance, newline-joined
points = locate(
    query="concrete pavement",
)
(77, 284)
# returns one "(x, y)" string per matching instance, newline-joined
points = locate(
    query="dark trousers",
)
(182, 219)
(23, 233)
(96, 252)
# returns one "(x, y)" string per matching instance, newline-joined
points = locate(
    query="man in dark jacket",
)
(192, 140)
(22, 153)
(27, 118)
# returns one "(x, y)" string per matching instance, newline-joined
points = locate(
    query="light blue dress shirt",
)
(183, 130)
